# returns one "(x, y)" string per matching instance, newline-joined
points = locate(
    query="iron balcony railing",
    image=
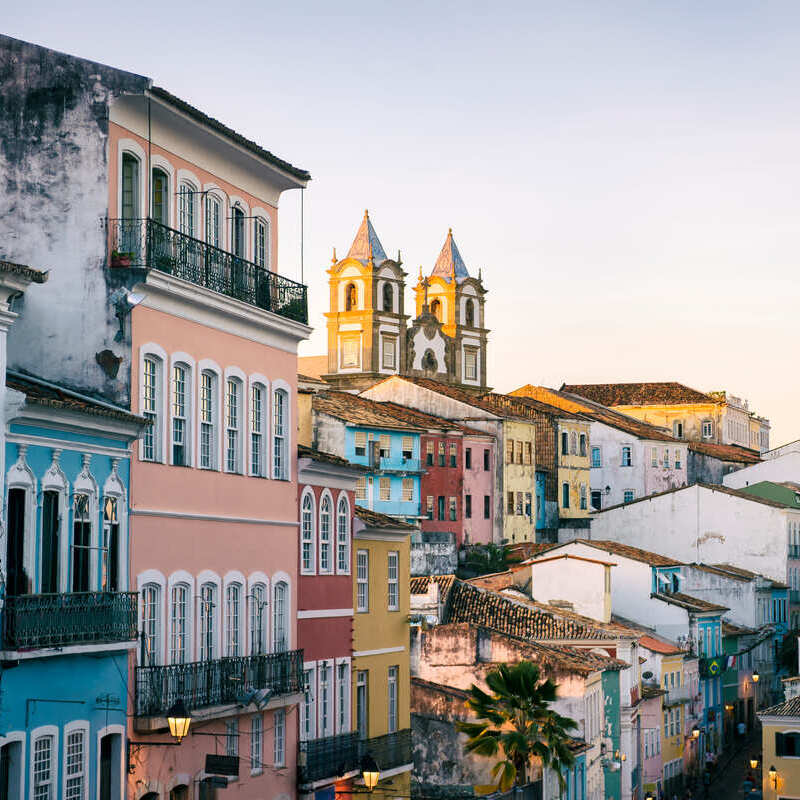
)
(676, 695)
(328, 757)
(60, 620)
(393, 464)
(202, 684)
(389, 751)
(148, 244)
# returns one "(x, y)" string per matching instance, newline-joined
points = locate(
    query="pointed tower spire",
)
(367, 245)
(449, 264)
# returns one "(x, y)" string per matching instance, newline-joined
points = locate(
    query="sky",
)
(625, 174)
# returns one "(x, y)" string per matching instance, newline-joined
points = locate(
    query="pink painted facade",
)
(214, 518)
(479, 484)
(651, 725)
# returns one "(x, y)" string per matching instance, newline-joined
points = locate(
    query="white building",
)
(779, 468)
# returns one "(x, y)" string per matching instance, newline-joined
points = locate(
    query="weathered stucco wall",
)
(433, 558)
(54, 111)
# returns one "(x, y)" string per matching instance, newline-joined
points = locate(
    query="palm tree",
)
(516, 719)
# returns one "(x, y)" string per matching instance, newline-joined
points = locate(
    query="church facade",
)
(370, 335)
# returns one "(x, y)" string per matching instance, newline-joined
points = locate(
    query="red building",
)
(326, 499)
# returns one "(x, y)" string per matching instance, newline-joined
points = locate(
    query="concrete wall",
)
(784, 467)
(698, 524)
(433, 558)
(738, 596)
(581, 583)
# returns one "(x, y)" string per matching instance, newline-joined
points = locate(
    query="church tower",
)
(447, 340)
(366, 321)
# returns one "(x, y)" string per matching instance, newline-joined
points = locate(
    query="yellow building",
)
(519, 480)
(780, 750)
(573, 468)
(381, 670)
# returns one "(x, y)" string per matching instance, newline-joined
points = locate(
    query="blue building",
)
(68, 619)
(369, 433)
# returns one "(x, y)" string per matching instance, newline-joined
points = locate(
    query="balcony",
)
(222, 681)
(676, 695)
(333, 756)
(147, 244)
(393, 464)
(62, 620)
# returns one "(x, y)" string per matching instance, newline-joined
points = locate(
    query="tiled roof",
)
(375, 520)
(627, 551)
(422, 420)
(694, 604)
(527, 620)
(449, 263)
(596, 412)
(328, 458)
(367, 245)
(738, 573)
(731, 629)
(313, 366)
(31, 274)
(517, 405)
(421, 583)
(359, 411)
(660, 646)
(638, 394)
(40, 392)
(726, 452)
(789, 708)
(527, 550)
(231, 134)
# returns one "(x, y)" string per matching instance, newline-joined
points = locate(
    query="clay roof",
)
(40, 392)
(527, 550)
(357, 410)
(517, 405)
(789, 708)
(660, 646)
(731, 629)
(313, 366)
(726, 452)
(29, 273)
(422, 420)
(694, 604)
(215, 124)
(421, 583)
(373, 519)
(628, 551)
(327, 458)
(367, 245)
(638, 394)
(449, 263)
(739, 573)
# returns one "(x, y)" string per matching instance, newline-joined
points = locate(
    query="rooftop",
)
(789, 708)
(731, 629)
(638, 394)
(626, 551)
(360, 411)
(726, 452)
(421, 584)
(449, 264)
(372, 519)
(657, 645)
(367, 246)
(686, 601)
(327, 458)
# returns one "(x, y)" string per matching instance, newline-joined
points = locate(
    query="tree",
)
(518, 723)
(484, 559)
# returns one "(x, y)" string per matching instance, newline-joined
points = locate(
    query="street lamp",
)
(756, 676)
(773, 777)
(695, 733)
(754, 763)
(369, 771)
(178, 719)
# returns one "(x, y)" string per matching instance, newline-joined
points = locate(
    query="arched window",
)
(181, 414)
(436, 309)
(388, 297)
(187, 221)
(112, 578)
(233, 425)
(469, 313)
(160, 201)
(258, 428)
(81, 542)
(280, 434)
(259, 608)
(280, 617)
(233, 619)
(151, 623)
(151, 408)
(343, 536)
(261, 243)
(350, 297)
(325, 564)
(180, 604)
(237, 232)
(208, 627)
(307, 531)
(208, 420)
(213, 220)
(16, 579)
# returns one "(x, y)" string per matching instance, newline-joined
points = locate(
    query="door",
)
(50, 535)
(362, 710)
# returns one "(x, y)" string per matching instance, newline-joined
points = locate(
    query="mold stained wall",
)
(54, 111)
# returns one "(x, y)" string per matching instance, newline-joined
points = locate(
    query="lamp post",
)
(370, 771)
(773, 777)
(178, 720)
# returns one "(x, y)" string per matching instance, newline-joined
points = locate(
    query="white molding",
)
(76, 649)
(326, 494)
(157, 161)
(277, 578)
(85, 484)
(182, 577)
(20, 476)
(212, 189)
(343, 496)
(70, 727)
(162, 398)
(278, 384)
(209, 577)
(55, 761)
(154, 512)
(21, 737)
(257, 579)
(107, 730)
(157, 578)
(309, 492)
(379, 652)
(234, 578)
(325, 613)
(124, 451)
(208, 365)
(135, 149)
(237, 374)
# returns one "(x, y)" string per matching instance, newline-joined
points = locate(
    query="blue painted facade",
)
(575, 778)
(68, 622)
(397, 465)
(709, 637)
(541, 515)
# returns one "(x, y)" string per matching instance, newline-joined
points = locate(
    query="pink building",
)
(214, 524)
(326, 492)
(479, 455)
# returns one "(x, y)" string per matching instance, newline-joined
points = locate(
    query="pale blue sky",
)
(626, 174)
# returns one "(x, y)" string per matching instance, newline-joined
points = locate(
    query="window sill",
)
(254, 773)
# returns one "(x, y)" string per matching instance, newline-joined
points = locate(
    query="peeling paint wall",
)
(433, 558)
(54, 111)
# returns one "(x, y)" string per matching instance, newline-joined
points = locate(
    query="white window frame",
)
(158, 414)
(153, 579)
(281, 582)
(279, 737)
(42, 732)
(707, 424)
(361, 488)
(262, 222)
(20, 476)
(343, 683)
(113, 489)
(362, 580)
(76, 726)
(235, 377)
(187, 363)
(308, 706)
(629, 449)
(258, 584)
(308, 532)
(343, 535)
(86, 485)
(630, 492)
(256, 744)
(392, 694)
(327, 545)
(215, 194)
(133, 149)
(234, 646)
(206, 579)
(471, 369)
(206, 367)
(281, 389)
(388, 348)
(181, 580)
(326, 706)
(393, 583)
(187, 195)
(261, 383)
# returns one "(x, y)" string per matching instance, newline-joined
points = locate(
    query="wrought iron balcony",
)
(328, 757)
(676, 695)
(60, 620)
(222, 681)
(148, 244)
(395, 464)
(794, 551)
(389, 751)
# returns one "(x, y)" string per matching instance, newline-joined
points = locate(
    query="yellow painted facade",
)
(690, 416)
(381, 643)
(304, 419)
(519, 481)
(673, 728)
(786, 781)
(573, 469)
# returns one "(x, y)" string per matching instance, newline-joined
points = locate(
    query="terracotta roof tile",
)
(688, 602)
(726, 452)
(328, 458)
(789, 708)
(635, 553)
(421, 583)
(660, 646)
(638, 394)
(375, 520)
(731, 629)
(359, 411)
(429, 421)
